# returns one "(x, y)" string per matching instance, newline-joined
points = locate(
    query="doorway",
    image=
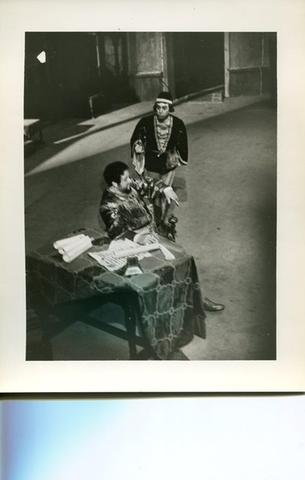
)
(198, 61)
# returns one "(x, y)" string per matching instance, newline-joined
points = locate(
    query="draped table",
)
(165, 298)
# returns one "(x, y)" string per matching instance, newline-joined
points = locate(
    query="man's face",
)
(162, 110)
(124, 186)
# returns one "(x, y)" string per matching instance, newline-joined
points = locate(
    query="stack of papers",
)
(108, 260)
(116, 256)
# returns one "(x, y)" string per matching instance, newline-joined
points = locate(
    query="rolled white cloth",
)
(70, 247)
(67, 241)
(77, 249)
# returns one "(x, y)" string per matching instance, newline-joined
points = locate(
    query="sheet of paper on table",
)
(107, 258)
(121, 245)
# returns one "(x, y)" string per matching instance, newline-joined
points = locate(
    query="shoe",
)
(210, 306)
(184, 338)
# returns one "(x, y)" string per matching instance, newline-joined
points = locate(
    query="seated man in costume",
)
(158, 147)
(126, 203)
(126, 206)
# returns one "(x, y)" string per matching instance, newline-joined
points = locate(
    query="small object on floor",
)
(184, 338)
(210, 306)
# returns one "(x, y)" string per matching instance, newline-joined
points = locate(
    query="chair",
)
(168, 230)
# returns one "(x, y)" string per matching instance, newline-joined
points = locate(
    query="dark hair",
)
(171, 107)
(113, 172)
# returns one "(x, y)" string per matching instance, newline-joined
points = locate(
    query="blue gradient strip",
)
(155, 439)
(40, 436)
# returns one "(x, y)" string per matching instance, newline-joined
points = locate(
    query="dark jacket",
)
(154, 161)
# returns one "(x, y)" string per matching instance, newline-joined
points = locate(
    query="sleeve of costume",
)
(148, 187)
(182, 144)
(138, 136)
(139, 133)
(111, 217)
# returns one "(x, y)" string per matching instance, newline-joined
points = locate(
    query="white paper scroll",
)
(71, 248)
(128, 252)
(67, 241)
(143, 249)
(83, 245)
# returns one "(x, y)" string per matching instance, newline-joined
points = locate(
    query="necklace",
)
(163, 132)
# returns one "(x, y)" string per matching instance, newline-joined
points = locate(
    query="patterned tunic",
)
(123, 212)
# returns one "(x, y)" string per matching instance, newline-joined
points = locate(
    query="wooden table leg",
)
(130, 324)
(38, 345)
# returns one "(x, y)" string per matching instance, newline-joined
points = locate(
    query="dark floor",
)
(228, 221)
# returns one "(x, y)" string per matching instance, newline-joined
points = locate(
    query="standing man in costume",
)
(159, 146)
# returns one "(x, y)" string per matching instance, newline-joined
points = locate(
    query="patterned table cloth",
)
(168, 292)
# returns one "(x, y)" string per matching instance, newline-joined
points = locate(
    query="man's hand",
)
(139, 147)
(171, 195)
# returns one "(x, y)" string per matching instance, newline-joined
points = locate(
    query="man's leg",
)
(162, 208)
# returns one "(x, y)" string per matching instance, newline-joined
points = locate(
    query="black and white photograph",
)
(151, 192)
(165, 143)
